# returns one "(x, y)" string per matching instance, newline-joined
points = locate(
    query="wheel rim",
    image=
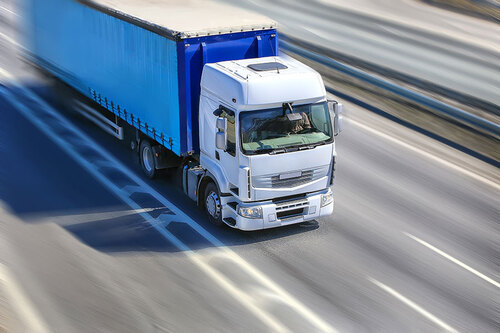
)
(212, 204)
(147, 158)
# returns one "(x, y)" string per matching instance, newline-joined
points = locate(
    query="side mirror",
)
(339, 119)
(336, 112)
(220, 136)
(221, 124)
(221, 140)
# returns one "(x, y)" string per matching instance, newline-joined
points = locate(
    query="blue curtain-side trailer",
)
(145, 74)
(168, 70)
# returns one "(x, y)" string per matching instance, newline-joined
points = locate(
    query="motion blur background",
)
(413, 244)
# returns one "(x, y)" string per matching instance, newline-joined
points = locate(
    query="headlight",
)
(326, 199)
(250, 212)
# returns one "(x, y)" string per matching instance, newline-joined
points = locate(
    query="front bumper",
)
(276, 214)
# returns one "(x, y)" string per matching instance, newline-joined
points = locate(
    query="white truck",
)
(204, 89)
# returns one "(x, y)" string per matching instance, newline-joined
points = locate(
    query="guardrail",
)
(449, 111)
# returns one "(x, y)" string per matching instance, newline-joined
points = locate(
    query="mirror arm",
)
(223, 108)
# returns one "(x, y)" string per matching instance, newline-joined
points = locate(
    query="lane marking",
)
(21, 304)
(8, 10)
(239, 293)
(5, 74)
(419, 151)
(10, 40)
(416, 26)
(454, 260)
(413, 305)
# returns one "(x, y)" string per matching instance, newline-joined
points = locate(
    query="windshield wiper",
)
(278, 151)
(272, 151)
(310, 145)
(320, 143)
(275, 151)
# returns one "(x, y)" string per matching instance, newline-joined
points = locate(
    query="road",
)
(453, 51)
(413, 245)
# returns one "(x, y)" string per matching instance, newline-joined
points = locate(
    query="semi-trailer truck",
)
(204, 89)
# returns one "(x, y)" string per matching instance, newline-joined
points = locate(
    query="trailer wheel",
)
(212, 204)
(147, 159)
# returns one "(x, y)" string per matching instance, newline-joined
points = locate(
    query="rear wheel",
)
(212, 204)
(147, 159)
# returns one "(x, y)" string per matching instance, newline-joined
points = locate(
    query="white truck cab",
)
(267, 148)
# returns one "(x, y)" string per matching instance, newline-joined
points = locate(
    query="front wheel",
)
(212, 204)
(147, 159)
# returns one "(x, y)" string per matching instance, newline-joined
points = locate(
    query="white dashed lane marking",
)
(413, 305)
(22, 306)
(426, 154)
(453, 260)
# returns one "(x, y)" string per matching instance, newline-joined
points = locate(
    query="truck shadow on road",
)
(121, 230)
(133, 233)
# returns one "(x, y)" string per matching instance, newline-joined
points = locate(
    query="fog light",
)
(326, 199)
(250, 212)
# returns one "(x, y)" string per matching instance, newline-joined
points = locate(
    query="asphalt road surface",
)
(413, 245)
(453, 51)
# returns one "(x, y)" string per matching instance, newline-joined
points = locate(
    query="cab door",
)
(228, 157)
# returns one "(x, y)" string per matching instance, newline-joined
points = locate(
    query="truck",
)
(201, 87)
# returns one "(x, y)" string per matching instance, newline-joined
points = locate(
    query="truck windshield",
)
(274, 130)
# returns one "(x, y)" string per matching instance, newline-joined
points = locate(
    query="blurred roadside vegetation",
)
(486, 9)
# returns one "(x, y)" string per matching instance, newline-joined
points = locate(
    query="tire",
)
(212, 204)
(147, 159)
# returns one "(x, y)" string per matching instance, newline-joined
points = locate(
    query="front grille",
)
(306, 177)
(292, 204)
(292, 208)
(274, 181)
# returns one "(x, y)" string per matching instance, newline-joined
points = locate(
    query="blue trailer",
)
(148, 74)
(201, 86)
